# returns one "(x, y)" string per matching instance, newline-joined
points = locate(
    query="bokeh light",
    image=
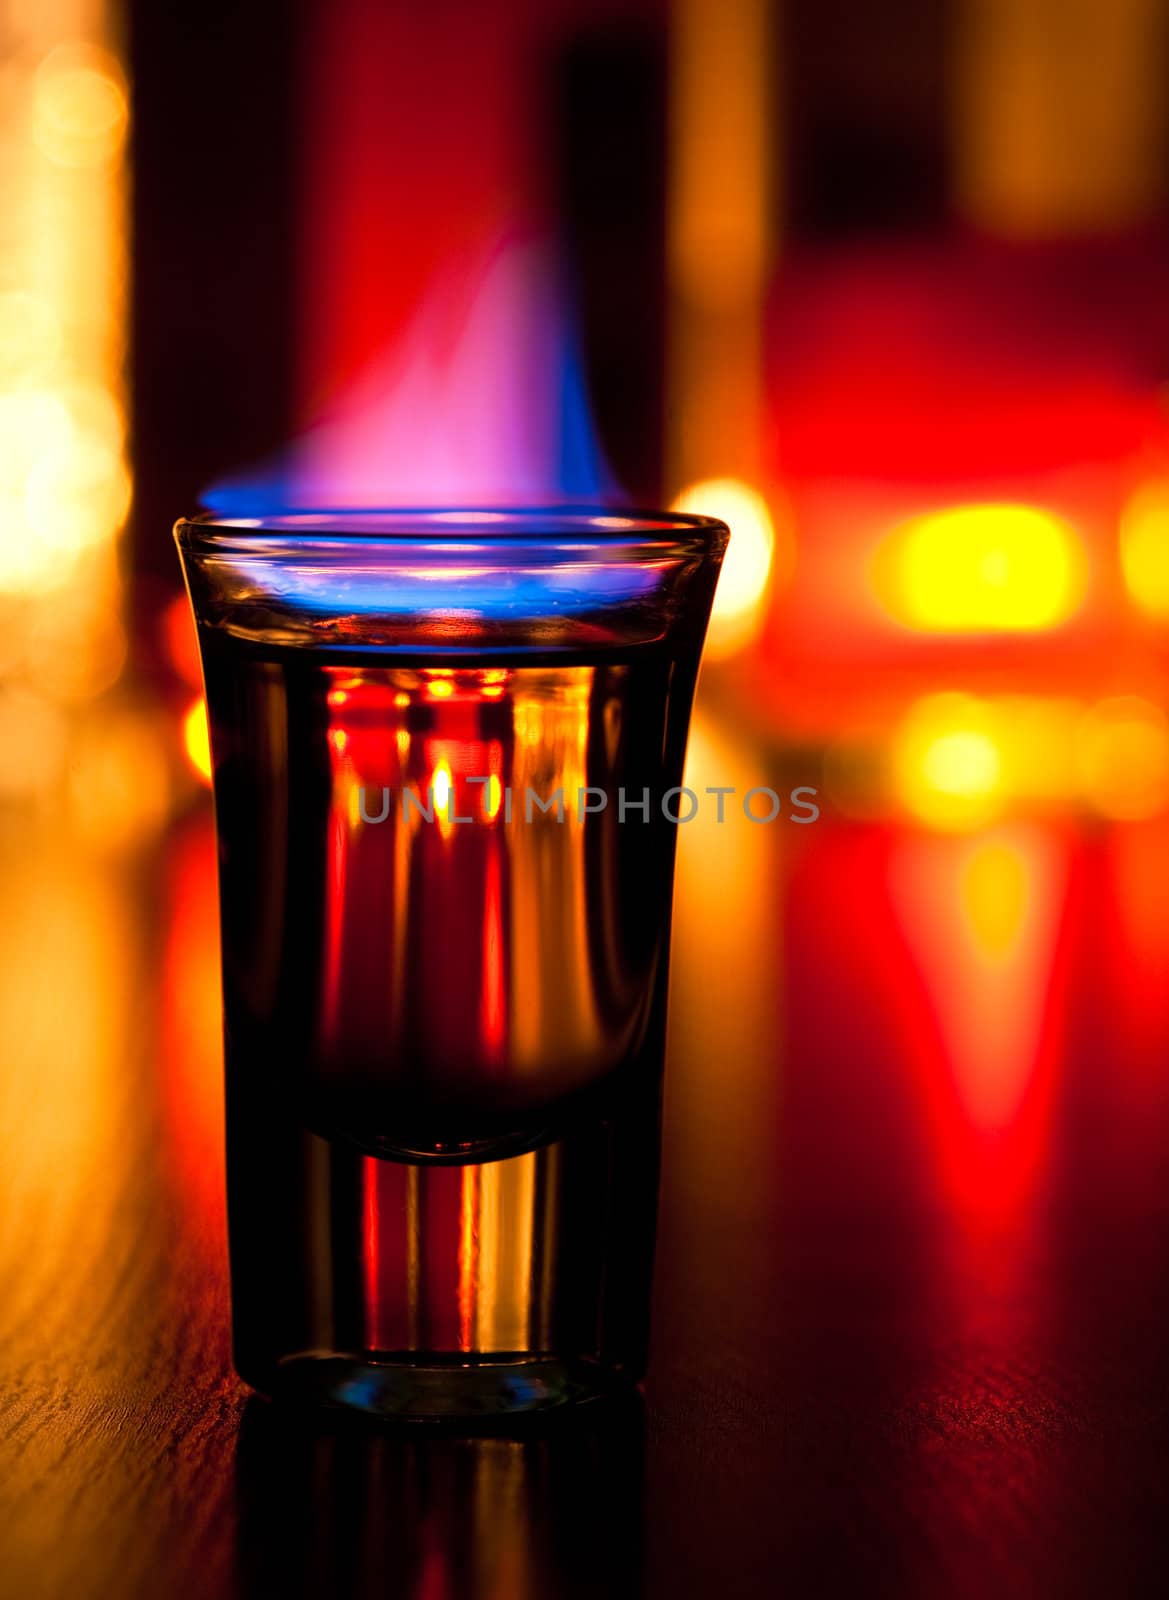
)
(948, 763)
(65, 485)
(1122, 758)
(1144, 547)
(441, 791)
(74, 657)
(34, 739)
(744, 585)
(197, 738)
(120, 779)
(982, 568)
(959, 760)
(75, 493)
(30, 336)
(79, 110)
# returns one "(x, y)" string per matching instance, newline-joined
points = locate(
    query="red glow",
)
(335, 916)
(1135, 922)
(1118, 1007)
(181, 642)
(371, 1253)
(910, 379)
(987, 1001)
(973, 357)
(950, 1040)
(493, 1003)
(402, 175)
(468, 1254)
(990, 999)
(385, 875)
(386, 1222)
(192, 1026)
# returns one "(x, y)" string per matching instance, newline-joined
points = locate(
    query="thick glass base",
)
(439, 1293)
(433, 1388)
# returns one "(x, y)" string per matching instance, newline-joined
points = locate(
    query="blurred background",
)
(886, 291)
(883, 286)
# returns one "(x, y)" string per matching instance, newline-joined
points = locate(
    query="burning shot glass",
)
(448, 748)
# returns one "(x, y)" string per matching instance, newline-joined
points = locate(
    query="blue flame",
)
(469, 593)
(448, 566)
(483, 408)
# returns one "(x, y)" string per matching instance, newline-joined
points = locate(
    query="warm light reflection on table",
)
(917, 1100)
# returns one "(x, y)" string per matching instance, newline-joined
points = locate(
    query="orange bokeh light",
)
(197, 738)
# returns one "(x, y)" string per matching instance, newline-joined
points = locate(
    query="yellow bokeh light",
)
(948, 763)
(982, 569)
(79, 110)
(64, 483)
(76, 495)
(1122, 758)
(30, 337)
(959, 760)
(994, 889)
(33, 422)
(442, 785)
(95, 412)
(27, 567)
(197, 738)
(1144, 547)
(442, 789)
(740, 603)
(962, 764)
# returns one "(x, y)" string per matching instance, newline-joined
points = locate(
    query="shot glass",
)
(447, 753)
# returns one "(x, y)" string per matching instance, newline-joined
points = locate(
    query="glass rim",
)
(598, 526)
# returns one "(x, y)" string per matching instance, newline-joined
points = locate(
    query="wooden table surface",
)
(912, 1298)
